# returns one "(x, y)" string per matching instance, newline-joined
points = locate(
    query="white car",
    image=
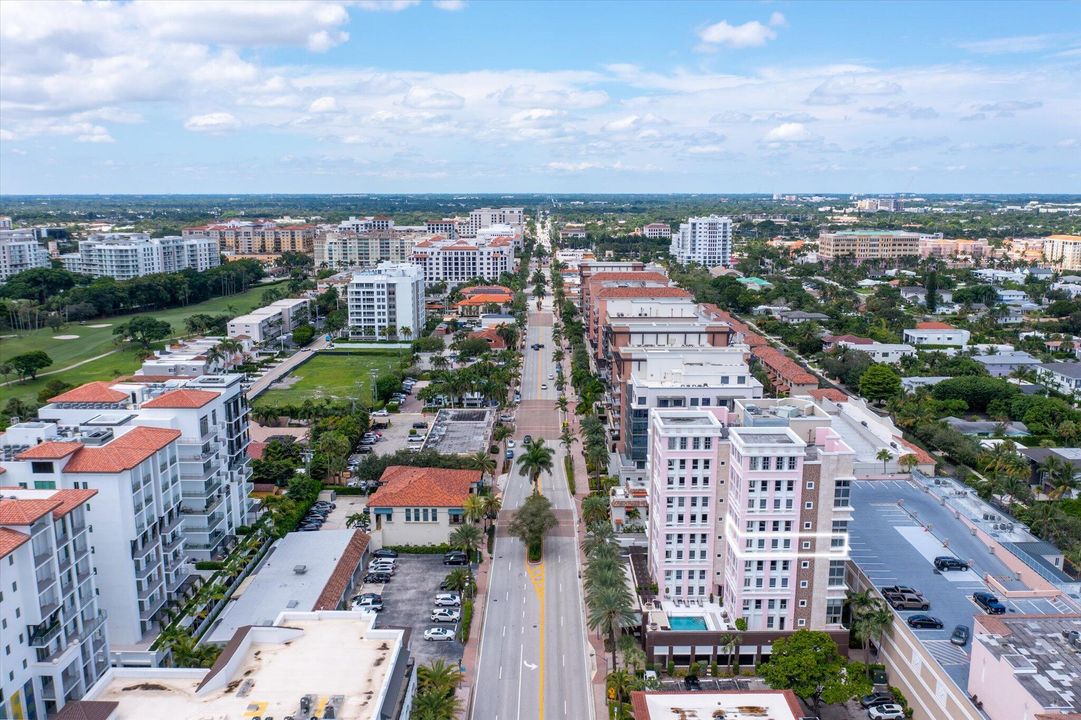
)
(380, 413)
(446, 615)
(447, 600)
(886, 712)
(544, 386)
(438, 633)
(380, 567)
(550, 376)
(510, 443)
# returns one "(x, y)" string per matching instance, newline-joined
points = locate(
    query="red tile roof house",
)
(420, 505)
(784, 373)
(491, 336)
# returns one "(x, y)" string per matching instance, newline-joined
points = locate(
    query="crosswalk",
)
(946, 652)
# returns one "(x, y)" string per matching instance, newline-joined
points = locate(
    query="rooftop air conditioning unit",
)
(300, 569)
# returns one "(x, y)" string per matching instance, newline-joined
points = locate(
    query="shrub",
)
(534, 551)
(244, 530)
(467, 619)
(671, 668)
(421, 549)
(209, 565)
(392, 407)
(568, 467)
(344, 489)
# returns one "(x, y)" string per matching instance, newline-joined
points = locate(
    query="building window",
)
(842, 490)
(837, 573)
(833, 611)
(41, 468)
(803, 603)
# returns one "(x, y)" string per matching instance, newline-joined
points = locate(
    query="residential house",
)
(1003, 364)
(987, 428)
(936, 334)
(1064, 377)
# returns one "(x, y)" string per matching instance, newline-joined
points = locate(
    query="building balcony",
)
(149, 588)
(46, 581)
(42, 637)
(152, 608)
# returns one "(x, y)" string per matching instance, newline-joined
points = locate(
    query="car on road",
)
(527, 439)
(383, 412)
(877, 698)
(924, 622)
(544, 386)
(455, 557)
(509, 455)
(385, 553)
(886, 712)
(949, 562)
(907, 601)
(377, 578)
(446, 615)
(506, 417)
(990, 604)
(551, 376)
(447, 599)
(960, 635)
(438, 633)
(510, 443)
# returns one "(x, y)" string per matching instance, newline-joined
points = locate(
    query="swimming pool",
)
(688, 622)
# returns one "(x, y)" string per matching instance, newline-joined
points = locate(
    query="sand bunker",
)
(101, 325)
(65, 337)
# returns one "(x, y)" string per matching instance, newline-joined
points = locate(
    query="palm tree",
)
(597, 537)
(484, 462)
(870, 624)
(566, 438)
(435, 706)
(492, 505)
(908, 462)
(884, 456)
(633, 655)
(1059, 475)
(460, 580)
(355, 520)
(467, 538)
(536, 459)
(730, 641)
(620, 683)
(473, 508)
(265, 415)
(440, 362)
(501, 433)
(609, 611)
(594, 510)
(561, 403)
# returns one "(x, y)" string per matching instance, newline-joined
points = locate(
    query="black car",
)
(876, 699)
(949, 562)
(364, 449)
(377, 577)
(990, 604)
(691, 682)
(923, 622)
(385, 553)
(526, 439)
(960, 635)
(455, 557)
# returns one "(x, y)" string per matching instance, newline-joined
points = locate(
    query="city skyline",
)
(386, 97)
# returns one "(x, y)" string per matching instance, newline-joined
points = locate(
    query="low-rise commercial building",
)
(735, 705)
(54, 636)
(862, 245)
(388, 300)
(419, 505)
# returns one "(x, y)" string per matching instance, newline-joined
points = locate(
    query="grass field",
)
(332, 376)
(94, 341)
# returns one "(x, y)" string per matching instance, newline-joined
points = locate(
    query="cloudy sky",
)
(461, 96)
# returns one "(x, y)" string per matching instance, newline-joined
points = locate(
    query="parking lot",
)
(407, 602)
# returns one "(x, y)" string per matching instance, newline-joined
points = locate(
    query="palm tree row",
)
(869, 618)
(609, 603)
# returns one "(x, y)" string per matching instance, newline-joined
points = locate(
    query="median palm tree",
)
(536, 459)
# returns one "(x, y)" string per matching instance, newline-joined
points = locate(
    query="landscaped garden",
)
(333, 376)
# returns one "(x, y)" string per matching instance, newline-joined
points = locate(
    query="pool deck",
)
(711, 615)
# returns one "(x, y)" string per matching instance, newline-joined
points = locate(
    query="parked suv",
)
(907, 601)
(990, 604)
(455, 557)
(949, 562)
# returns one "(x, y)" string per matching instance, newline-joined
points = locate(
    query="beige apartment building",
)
(257, 237)
(860, 245)
(1064, 251)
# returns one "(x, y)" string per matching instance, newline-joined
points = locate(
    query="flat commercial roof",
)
(895, 534)
(734, 705)
(331, 657)
(276, 587)
(1046, 664)
(460, 432)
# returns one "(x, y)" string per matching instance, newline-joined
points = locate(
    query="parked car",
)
(527, 439)
(886, 712)
(446, 615)
(420, 425)
(506, 417)
(509, 454)
(382, 412)
(448, 599)
(385, 553)
(924, 622)
(990, 604)
(438, 633)
(949, 562)
(382, 569)
(510, 443)
(691, 682)
(900, 589)
(374, 604)
(377, 578)
(364, 449)
(876, 699)
(907, 601)
(455, 557)
(960, 635)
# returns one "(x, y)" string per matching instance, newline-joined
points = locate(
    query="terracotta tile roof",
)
(484, 299)
(94, 392)
(25, 512)
(10, 540)
(490, 335)
(70, 499)
(854, 339)
(784, 366)
(423, 487)
(123, 453)
(88, 710)
(922, 455)
(647, 292)
(181, 399)
(934, 326)
(750, 337)
(338, 582)
(829, 394)
(256, 450)
(485, 289)
(50, 450)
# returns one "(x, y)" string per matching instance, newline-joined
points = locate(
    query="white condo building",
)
(458, 261)
(387, 299)
(124, 256)
(20, 250)
(486, 217)
(704, 240)
(55, 645)
(271, 321)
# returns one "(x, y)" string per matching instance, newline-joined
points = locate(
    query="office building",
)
(1064, 252)
(387, 299)
(123, 256)
(861, 245)
(657, 231)
(486, 217)
(454, 262)
(704, 240)
(708, 705)
(302, 664)
(55, 644)
(20, 250)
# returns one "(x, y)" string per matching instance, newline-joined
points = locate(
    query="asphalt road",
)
(534, 659)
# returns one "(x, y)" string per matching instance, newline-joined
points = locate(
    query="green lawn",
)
(94, 341)
(335, 376)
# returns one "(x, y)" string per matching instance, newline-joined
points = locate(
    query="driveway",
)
(407, 602)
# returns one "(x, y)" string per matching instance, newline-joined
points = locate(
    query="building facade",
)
(259, 237)
(387, 299)
(20, 251)
(657, 231)
(860, 245)
(1064, 251)
(486, 217)
(704, 240)
(124, 256)
(457, 261)
(340, 250)
(271, 321)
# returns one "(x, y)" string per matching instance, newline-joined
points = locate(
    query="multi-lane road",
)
(534, 660)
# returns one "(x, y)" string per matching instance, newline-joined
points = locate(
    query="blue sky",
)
(401, 96)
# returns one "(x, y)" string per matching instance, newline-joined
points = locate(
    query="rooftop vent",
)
(300, 569)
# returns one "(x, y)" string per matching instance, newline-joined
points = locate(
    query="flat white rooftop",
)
(332, 657)
(735, 705)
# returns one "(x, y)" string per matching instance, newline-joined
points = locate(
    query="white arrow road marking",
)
(528, 665)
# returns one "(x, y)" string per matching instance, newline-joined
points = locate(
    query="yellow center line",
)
(536, 577)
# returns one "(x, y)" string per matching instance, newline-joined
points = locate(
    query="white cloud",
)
(449, 5)
(749, 34)
(560, 166)
(788, 132)
(843, 89)
(1011, 45)
(323, 105)
(386, 5)
(776, 19)
(214, 122)
(430, 98)
(705, 149)
(904, 109)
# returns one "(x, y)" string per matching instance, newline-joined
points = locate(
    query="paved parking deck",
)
(895, 543)
(407, 602)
